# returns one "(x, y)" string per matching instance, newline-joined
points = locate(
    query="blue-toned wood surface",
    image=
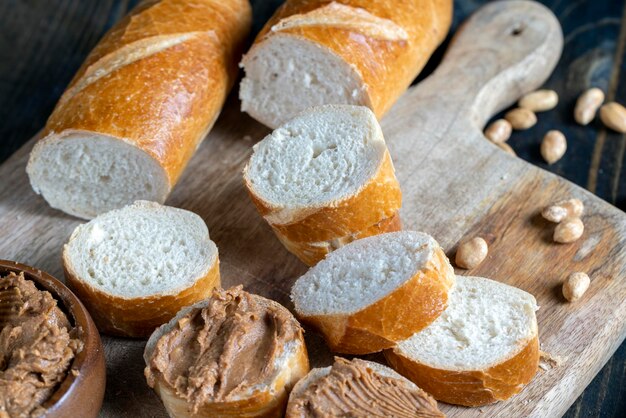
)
(43, 42)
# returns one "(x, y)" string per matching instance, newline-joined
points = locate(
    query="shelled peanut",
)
(575, 286)
(539, 100)
(587, 105)
(471, 253)
(613, 115)
(553, 146)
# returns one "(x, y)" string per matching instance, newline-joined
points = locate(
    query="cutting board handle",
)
(504, 50)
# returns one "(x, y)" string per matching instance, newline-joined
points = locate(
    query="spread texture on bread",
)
(234, 354)
(359, 388)
(376, 291)
(140, 105)
(135, 267)
(484, 348)
(360, 52)
(323, 179)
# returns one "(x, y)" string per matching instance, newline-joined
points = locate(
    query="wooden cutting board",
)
(455, 184)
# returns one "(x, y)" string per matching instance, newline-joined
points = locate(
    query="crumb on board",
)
(549, 361)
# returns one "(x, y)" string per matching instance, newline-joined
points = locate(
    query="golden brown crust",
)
(379, 199)
(387, 67)
(472, 388)
(262, 404)
(162, 101)
(312, 253)
(405, 311)
(137, 317)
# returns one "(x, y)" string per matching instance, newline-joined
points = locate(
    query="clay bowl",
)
(80, 395)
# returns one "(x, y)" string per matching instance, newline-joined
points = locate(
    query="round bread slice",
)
(375, 291)
(359, 388)
(233, 355)
(484, 348)
(135, 267)
(323, 176)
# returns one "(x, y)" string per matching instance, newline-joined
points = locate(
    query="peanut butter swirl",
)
(37, 347)
(352, 389)
(222, 351)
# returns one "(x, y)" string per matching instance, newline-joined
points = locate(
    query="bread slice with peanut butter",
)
(359, 388)
(233, 355)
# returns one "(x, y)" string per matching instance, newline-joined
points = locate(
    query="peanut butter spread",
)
(222, 351)
(37, 346)
(353, 390)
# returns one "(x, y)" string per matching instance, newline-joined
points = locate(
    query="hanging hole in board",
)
(517, 29)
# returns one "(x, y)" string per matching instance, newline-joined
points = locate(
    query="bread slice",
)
(484, 348)
(315, 52)
(376, 291)
(265, 399)
(325, 175)
(135, 267)
(361, 401)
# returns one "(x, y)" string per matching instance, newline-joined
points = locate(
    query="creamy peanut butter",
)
(353, 390)
(37, 346)
(220, 352)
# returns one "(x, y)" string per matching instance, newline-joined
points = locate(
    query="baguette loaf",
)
(140, 105)
(361, 52)
(134, 268)
(484, 348)
(324, 179)
(375, 292)
(233, 355)
(359, 388)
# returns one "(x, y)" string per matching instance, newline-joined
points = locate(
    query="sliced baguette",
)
(484, 348)
(266, 399)
(324, 176)
(135, 267)
(315, 52)
(140, 105)
(362, 402)
(375, 291)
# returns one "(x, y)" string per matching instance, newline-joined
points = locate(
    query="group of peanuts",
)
(567, 215)
(554, 144)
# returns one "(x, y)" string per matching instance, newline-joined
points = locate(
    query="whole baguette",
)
(386, 43)
(156, 82)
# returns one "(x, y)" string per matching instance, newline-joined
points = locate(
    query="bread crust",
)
(137, 317)
(311, 253)
(475, 387)
(379, 199)
(386, 66)
(405, 311)
(155, 82)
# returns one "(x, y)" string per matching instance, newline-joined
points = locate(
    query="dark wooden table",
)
(43, 42)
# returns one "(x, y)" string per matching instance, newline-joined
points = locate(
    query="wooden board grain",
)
(455, 184)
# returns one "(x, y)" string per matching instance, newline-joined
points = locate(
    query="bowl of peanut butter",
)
(51, 357)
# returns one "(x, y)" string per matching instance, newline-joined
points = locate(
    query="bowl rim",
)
(78, 316)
